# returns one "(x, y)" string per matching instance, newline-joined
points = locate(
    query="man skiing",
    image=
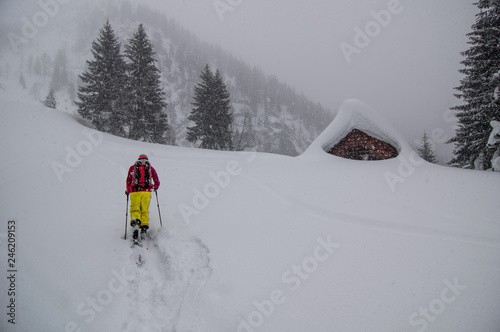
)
(141, 180)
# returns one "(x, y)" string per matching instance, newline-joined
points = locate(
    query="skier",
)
(141, 180)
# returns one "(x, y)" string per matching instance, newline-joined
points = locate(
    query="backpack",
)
(142, 175)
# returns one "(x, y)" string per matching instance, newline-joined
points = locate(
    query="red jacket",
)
(155, 184)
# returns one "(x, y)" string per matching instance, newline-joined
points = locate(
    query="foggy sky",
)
(407, 71)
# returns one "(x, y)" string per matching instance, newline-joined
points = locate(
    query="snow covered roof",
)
(354, 114)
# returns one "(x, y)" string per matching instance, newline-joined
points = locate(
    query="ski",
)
(135, 236)
(140, 260)
(137, 253)
(135, 243)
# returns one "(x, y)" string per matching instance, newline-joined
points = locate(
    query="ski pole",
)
(158, 205)
(126, 218)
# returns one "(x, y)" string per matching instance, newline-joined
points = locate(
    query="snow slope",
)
(250, 242)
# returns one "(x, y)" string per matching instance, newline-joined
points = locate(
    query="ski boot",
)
(144, 230)
(135, 225)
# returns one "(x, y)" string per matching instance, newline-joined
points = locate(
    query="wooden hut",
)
(358, 145)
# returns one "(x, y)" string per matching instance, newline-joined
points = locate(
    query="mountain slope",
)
(250, 241)
(281, 119)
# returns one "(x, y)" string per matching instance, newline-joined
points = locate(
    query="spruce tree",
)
(425, 150)
(35, 90)
(22, 81)
(45, 66)
(199, 114)
(50, 100)
(212, 115)
(60, 73)
(478, 90)
(37, 66)
(244, 134)
(102, 95)
(146, 99)
(224, 114)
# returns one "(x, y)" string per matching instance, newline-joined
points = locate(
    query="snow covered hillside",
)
(250, 241)
(269, 116)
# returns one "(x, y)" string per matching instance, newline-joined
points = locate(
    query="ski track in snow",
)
(163, 292)
(372, 278)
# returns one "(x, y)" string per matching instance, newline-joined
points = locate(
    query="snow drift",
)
(250, 241)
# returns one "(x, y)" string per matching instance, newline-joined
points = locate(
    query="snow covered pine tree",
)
(50, 100)
(145, 97)
(479, 90)
(425, 150)
(102, 95)
(212, 113)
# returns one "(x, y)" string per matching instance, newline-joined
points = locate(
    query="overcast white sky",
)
(407, 72)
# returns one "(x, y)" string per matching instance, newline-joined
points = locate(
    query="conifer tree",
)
(146, 99)
(35, 90)
(244, 134)
(60, 73)
(45, 66)
(102, 95)
(22, 81)
(199, 114)
(37, 66)
(479, 89)
(212, 115)
(425, 150)
(50, 100)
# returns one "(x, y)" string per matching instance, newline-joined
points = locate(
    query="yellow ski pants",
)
(139, 206)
